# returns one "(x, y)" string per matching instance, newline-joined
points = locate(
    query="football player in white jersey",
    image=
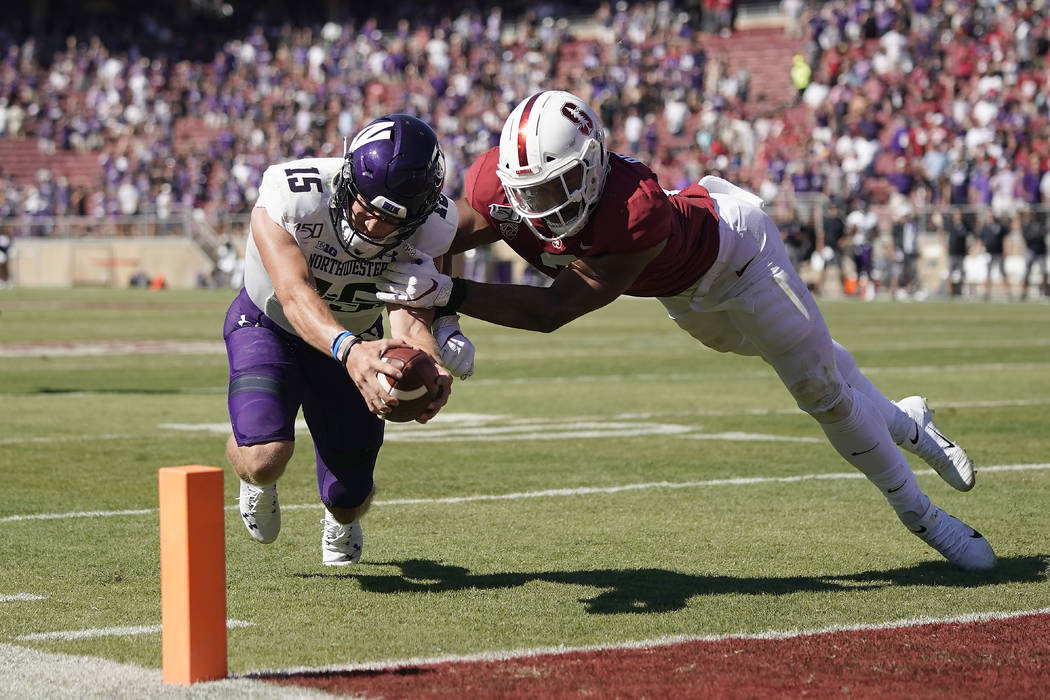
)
(307, 329)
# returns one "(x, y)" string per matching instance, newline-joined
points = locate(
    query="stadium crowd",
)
(909, 107)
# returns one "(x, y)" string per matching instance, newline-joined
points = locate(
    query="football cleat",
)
(957, 542)
(945, 456)
(260, 511)
(340, 544)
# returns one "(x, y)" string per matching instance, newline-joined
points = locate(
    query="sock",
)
(863, 440)
(897, 421)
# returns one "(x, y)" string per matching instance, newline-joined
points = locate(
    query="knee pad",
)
(823, 398)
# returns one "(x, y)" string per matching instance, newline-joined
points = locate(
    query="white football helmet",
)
(553, 162)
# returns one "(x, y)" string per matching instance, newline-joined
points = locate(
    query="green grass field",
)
(553, 423)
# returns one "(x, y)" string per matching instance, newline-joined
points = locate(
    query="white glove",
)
(416, 284)
(455, 349)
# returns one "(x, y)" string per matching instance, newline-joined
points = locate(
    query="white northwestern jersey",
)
(296, 195)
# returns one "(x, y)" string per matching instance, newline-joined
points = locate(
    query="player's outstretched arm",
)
(584, 286)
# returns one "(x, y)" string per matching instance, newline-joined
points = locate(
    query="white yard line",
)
(547, 493)
(21, 597)
(29, 674)
(37, 675)
(391, 664)
(94, 633)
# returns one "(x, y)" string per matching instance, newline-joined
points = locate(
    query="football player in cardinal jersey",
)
(307, 329)
(600, 225)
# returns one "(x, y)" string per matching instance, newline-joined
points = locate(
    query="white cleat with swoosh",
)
(946, 457)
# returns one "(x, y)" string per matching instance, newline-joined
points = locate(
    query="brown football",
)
(417, 386)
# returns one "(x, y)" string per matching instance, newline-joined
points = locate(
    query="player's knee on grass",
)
(823, 398)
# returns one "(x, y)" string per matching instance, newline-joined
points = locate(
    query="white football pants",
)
(752, 302)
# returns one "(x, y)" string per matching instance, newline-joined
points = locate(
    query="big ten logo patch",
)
(327, 248)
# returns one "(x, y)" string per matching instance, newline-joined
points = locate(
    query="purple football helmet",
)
(395, 169)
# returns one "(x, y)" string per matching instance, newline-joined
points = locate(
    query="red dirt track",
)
(994, 659)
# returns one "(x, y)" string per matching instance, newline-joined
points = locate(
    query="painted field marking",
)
(548, 493)
(668, 640)
(13, 597)
(465, 427)
(94, 633)
(44, 675)
(65, 672)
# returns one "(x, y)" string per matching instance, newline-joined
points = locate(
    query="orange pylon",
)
(192, 574)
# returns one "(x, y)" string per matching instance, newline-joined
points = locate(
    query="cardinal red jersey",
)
(633, 214)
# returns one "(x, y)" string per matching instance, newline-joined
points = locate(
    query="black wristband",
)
(344, 351)
(455, 298)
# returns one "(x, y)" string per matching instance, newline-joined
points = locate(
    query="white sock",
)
(863, 440)
(897, 421)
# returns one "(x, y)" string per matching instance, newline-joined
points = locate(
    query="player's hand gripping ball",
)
(417, 387)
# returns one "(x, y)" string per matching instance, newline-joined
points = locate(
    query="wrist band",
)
(337, 341)
(345, 351)
(455, 298)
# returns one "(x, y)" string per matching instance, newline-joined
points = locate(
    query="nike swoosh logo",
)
(895, 490)
(864, 452)
(433, 286)
(950, 443)
(920, 530)
(915, 440)
(741, 270)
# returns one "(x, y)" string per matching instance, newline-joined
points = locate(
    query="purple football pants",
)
(273, 373)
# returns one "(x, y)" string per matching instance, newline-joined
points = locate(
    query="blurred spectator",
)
(5, 257)
(801, 74)
(792, 10)
(723, 13)
(904, 282)
(791, 233)
(828, 248)
(993, 233)
(957, 237)
(861, 225)
(1033, 228)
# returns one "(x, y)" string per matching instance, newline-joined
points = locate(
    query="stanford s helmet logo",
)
(577, 116)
